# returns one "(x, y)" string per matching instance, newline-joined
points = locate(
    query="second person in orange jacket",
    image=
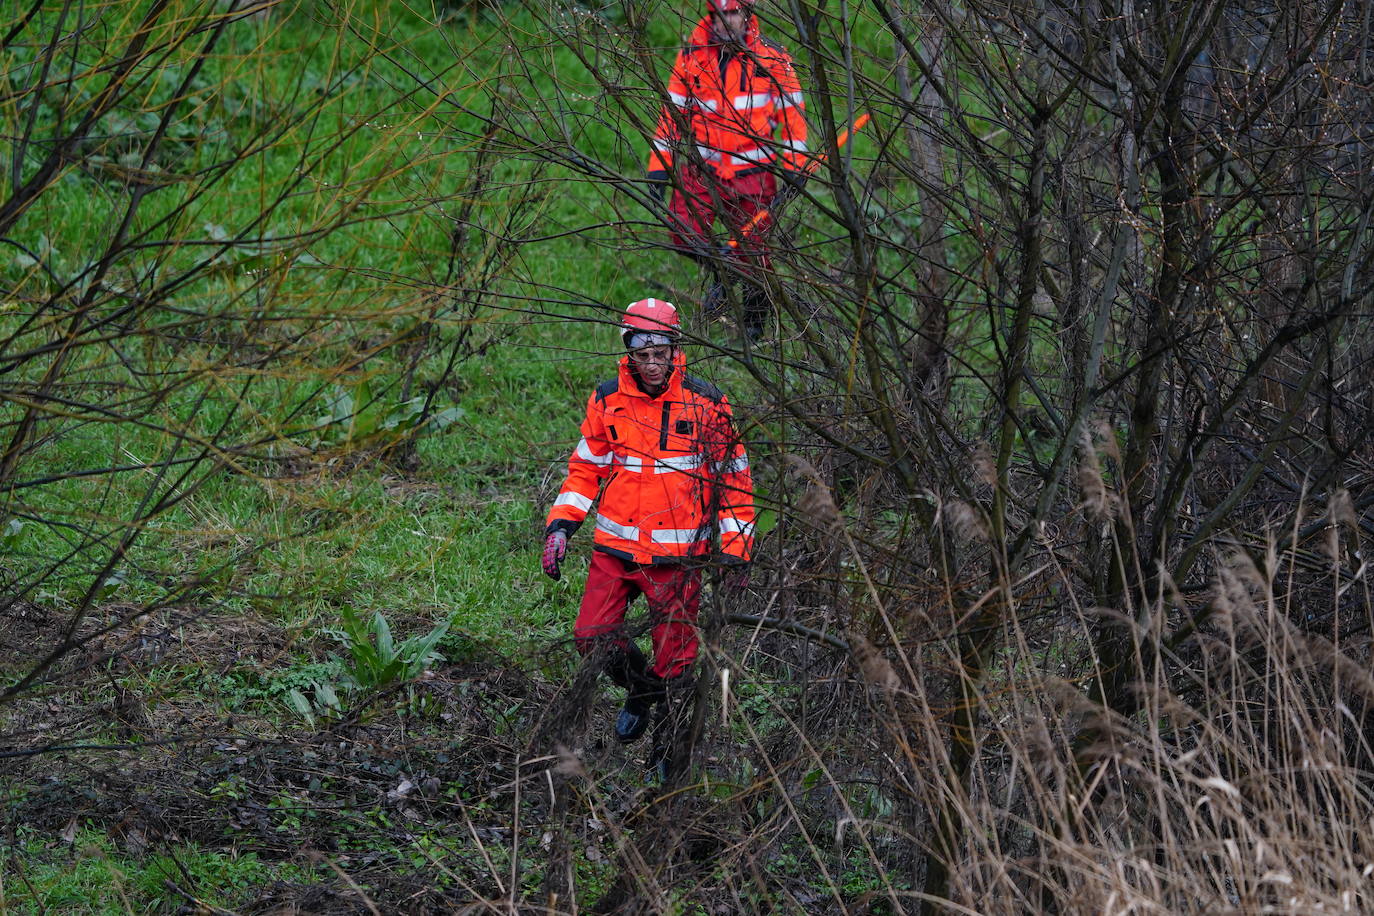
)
(734, 124)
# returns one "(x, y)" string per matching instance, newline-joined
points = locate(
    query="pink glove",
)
(555, 548)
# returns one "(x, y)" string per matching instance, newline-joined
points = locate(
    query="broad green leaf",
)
(446, 417)
(13, 528)
(386, 648)
(326, 695)
(297, 703)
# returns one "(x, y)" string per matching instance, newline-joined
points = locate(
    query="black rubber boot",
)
(625, 666)
(638, 711)
(716, 302)
(633, 720)
(756, 311)
(629, 669)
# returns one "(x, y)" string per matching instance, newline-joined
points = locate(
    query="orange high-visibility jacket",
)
(669, 470)
(732, 107)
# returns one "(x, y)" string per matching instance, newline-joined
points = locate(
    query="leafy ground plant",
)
(375, 661)
(378, 660)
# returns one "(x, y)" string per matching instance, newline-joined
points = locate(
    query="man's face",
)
(653, 364)
(729, 28)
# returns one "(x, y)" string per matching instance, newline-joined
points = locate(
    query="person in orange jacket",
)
(734, 124)
(660, 461)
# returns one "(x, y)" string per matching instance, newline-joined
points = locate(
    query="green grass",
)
(89, 874)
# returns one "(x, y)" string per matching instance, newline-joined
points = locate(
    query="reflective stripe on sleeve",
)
(734, 465)
(576, 500)
(584, 451)
(790, 100)
(663, 146)
(796, 146)
(681, 101)
(628, 532)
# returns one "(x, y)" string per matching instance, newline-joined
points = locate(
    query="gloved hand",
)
(555, 548)
(658, 184)
(793, 183)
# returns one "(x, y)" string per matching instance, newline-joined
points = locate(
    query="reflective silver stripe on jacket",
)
(734, 465)
(753, 155)
(748, 155)
(628, 532)
(574, 499)
(677, 463)
(584, 451)
(630, 462)
(731, 525)
(790, 100)
(676, 536)
(686, 101)
(755, 100)
(663, 146)
(796, 146)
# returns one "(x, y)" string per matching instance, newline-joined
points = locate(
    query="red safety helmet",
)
(730, 6)
(651, 316)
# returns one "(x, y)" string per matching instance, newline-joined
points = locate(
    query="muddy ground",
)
(483, 781)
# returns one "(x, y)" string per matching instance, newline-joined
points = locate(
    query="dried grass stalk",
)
(1097, 500)
(877, 671)
(967, 522)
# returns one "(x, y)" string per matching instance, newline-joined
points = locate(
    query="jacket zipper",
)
(663, 427)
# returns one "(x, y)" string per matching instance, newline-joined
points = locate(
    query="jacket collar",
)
(673, 392)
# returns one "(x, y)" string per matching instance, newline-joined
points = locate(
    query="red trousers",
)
(701, 199)
(673, 594)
